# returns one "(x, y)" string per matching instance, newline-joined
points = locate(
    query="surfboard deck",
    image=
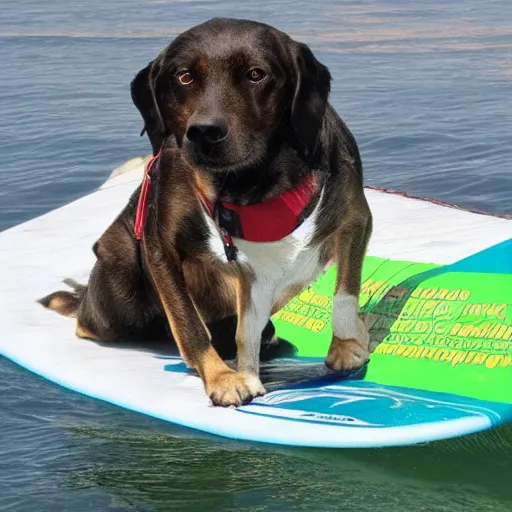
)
(437, 294)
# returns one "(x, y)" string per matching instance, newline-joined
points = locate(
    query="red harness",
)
(268, 221)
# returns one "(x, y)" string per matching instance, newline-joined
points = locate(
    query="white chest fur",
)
(276, 265)
(282, 264)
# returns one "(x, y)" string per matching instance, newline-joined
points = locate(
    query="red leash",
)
(142, 205)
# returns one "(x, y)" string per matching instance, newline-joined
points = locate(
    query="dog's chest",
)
(278, 266)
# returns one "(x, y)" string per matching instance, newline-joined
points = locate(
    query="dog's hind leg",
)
(83, 332)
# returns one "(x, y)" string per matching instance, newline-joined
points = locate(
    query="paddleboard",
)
(436, 294)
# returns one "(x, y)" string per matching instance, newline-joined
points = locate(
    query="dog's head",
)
(226, 88)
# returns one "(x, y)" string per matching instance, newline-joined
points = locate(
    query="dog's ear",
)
(144, 98)
(312, 86)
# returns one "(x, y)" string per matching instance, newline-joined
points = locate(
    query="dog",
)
(254, 186)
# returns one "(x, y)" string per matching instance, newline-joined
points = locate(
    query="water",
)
(426, 88)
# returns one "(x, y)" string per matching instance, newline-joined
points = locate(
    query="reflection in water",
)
(167, 473)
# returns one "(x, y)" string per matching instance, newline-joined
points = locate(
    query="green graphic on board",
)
(431, 328)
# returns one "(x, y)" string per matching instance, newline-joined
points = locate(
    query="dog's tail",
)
(65, 303)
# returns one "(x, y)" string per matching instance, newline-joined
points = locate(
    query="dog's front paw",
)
(234, 388)
(346, 355)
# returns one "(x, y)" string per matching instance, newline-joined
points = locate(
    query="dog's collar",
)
(268, 221)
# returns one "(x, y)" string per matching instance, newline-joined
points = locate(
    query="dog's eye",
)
(185, 78)
(256, 75)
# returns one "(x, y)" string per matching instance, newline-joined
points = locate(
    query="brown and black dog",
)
(238, 113)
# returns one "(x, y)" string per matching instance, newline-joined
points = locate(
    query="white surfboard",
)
(305, 406)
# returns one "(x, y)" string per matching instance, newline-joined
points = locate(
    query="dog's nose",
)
(211, 132)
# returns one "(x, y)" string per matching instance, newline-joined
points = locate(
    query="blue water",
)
(426, 87)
